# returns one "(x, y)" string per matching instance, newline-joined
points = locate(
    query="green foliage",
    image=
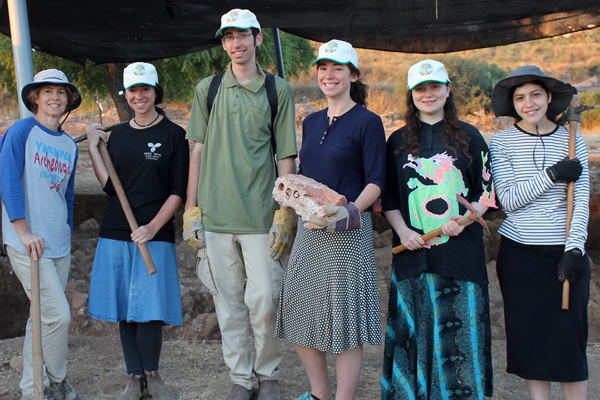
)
(298, 54)
(177, 75)
(590, 118)
(472, 82)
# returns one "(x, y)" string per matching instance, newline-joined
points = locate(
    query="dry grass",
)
(569, 57)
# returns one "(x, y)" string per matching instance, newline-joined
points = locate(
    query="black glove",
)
(565, 170)
(571, 265)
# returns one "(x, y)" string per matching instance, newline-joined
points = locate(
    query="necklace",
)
(145, 126)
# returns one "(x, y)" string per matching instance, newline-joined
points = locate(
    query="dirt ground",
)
(195, 371)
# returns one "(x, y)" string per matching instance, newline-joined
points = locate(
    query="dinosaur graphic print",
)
(433, 195)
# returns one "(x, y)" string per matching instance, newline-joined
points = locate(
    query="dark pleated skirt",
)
(543, 342)
(438, 340)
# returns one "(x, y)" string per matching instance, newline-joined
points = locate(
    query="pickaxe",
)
(473, 215)
(573, 114)
(112, 173)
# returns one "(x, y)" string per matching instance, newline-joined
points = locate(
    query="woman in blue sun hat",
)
(531, 171)
(329, 299)
(38, 163)
(438, 335)
(151, 157)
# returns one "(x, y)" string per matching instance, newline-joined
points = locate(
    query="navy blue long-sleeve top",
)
(347, 155)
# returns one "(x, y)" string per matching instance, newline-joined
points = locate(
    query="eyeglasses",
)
(240, 37)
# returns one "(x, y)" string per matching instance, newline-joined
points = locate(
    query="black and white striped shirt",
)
(536, 207)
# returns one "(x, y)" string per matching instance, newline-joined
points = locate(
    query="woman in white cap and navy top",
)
(38, 163)
(329, 300)
(438, 336)
(151, 157)
(531, 172)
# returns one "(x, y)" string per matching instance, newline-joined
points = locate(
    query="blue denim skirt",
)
(121, 289)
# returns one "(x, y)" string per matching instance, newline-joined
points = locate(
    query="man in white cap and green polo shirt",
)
(230, 215)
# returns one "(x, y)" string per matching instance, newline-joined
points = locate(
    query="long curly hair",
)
(453, 135)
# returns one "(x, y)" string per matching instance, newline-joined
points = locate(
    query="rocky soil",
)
(192, 361)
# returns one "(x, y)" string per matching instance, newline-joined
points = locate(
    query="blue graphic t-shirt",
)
(37, 183)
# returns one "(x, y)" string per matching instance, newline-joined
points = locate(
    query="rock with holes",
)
(305, 195)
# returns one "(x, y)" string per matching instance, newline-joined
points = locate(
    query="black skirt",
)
(543, 342)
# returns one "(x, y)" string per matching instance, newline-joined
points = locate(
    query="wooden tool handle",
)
(112, 173)
(36, 332)
(431, 234)
(570, 195)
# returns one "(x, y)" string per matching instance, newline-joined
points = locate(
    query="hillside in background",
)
(573, 58)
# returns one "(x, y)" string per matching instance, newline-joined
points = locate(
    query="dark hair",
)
(552, 116)
(160, 94)
(33, 94)
(358, 90)
(453, 134)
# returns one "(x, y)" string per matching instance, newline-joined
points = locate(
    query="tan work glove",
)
(193, 230)
(280, 235)
(339, 218)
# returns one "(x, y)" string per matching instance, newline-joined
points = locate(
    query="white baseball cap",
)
(338, 51)
(427, 71)
(240, 19)
(139, 73)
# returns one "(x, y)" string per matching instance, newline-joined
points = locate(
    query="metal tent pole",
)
(21, 44)
(278, 54)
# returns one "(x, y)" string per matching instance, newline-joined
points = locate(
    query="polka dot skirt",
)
(329, 299)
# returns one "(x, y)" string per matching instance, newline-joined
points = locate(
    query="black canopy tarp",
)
(128, 30)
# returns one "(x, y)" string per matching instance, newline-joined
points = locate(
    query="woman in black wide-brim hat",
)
(531, 172)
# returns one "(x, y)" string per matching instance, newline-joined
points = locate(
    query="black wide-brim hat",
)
(52, 77)
(503, 105)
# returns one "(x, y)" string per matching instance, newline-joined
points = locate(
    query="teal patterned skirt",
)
(438, 340)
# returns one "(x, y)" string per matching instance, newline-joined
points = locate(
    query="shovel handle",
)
(431, 234)
(36, 332)
(112, 173)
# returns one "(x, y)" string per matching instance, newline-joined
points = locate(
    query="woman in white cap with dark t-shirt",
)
(38, 164)
(438, 336)
(329, 299)
(543, 342)
(151, 157)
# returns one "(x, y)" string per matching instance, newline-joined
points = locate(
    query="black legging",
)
(142, 344)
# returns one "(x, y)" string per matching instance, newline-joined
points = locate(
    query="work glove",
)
(280, 235)
(571, 265)
(565, 170)
(339, 218)
(193, 230)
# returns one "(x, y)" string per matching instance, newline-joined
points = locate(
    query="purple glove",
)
(339, 218)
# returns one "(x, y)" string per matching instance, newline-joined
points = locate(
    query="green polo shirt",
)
(238, 173)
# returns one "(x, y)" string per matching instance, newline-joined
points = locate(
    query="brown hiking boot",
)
(132, 391)
(157, 387)
(269, 390)
(238, 392)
